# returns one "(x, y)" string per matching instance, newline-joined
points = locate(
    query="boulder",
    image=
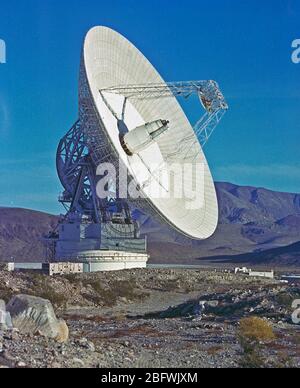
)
(2, 305)
(5, 318)
(32, 315)
(212, 303)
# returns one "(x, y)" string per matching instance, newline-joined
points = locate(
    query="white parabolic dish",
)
(110, 60)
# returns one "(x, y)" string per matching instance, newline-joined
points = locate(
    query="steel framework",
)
(76, 165)
(211, 99)
(209, 94)
(77, 175)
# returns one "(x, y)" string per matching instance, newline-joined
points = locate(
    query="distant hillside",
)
(21, 232)
(244, 205)
(284, 256)
(252, 220)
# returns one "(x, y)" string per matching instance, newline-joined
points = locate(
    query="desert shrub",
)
(118, 289)
(214, 350)
(189, 288)
(42, 288)
(296, 339)
(286, 299)
(98, 300)
(126, 289)
(57, 299)
(171, 285)
(252, 360)
(284, 361)
(235, 309)
(72, 278)
(253, 331)
(256, 329)
(102, 296)
(120, 317)
(96, 286)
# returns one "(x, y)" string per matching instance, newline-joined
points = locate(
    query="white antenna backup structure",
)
(129, 117)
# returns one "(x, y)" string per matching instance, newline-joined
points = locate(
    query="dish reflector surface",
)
(110, 60)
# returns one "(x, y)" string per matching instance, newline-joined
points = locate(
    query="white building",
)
(255, 274)
(9, 267)
(62, 268)
(262, 274)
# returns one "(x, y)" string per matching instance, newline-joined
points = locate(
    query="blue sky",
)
(243, 44)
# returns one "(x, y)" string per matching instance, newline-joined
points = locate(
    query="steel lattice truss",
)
(75, 161)
(208, 89)
(210, 97)
(209, 94)
(76, 173)
(76, 167)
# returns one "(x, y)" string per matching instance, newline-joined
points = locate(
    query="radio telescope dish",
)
(130, 114)
(131, 122)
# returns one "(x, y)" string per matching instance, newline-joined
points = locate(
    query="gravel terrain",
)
(151, 318)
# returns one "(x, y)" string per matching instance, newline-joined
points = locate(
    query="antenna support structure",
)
(128, 126)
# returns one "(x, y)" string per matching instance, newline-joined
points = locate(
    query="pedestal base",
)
(97, 261)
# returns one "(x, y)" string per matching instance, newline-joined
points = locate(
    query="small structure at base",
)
(98, 247)
(102, 261)
(243, 270)
(52, 269)
(8, 267)
(262, 274)
(255, 274)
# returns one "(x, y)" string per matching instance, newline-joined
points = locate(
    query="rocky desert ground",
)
(157, 318)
